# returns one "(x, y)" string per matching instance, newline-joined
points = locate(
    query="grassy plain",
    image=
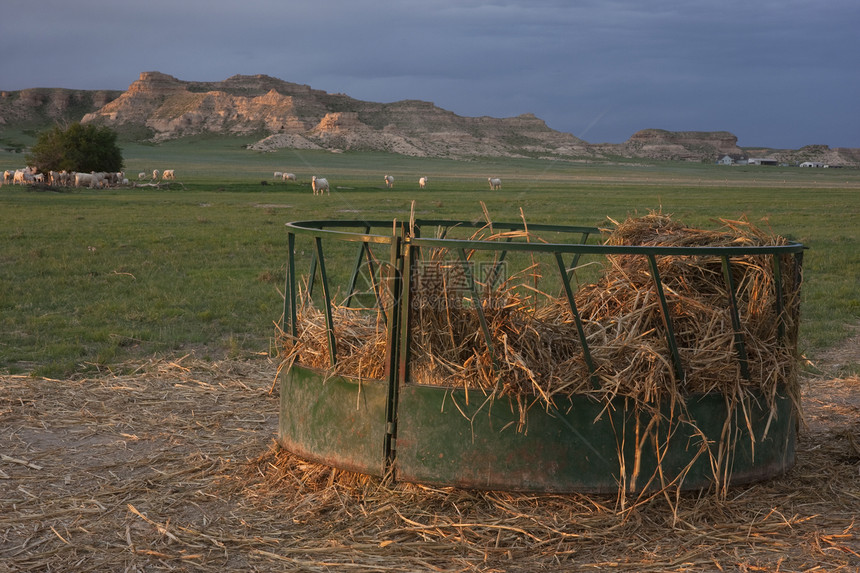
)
(89, 279)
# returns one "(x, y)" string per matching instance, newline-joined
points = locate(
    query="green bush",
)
(81, 148)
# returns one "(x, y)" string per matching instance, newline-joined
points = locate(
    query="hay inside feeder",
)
(537, 348)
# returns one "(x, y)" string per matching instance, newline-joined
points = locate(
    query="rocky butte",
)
(291, 115)
(159, 107)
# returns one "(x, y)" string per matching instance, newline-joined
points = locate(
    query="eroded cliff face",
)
(159, 107)
(171, 108)
(293, 115)
(680, 145)
(49, 105)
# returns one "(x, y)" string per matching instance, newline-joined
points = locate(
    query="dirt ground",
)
(173, 468)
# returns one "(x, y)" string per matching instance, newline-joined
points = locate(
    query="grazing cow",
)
(141, 175)
(495, 183)
(389, 181)
(422, 183)
(168, 174)
(289, 176)
(279, 174)
(155, 173)
(319, 185)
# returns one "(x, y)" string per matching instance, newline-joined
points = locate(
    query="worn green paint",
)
(334, 420)
(443, 440)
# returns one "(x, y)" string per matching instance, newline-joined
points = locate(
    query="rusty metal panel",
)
(442, 440)
(334, 420)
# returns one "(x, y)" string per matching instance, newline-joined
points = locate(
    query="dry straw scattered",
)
(169, 466)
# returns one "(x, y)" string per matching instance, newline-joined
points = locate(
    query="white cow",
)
(422, 183)
(86, 180)
(141, 175)
(168, 174)
(495, 183)
(101, 179)
(289, 176)
(22, 177)
(389, 181)
(319, 185)
(279, 174)
(155, 173)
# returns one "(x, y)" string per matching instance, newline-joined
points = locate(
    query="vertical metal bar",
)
(740, 346)
(586, 352)
(494, 275)
(392, 352)
(355, 269)
(476, 301)
(375, 284)
(667, 319)
(290, 295)
(409, 264)
(798, 270)
(780, 303)
(329, 322)
(312, 274)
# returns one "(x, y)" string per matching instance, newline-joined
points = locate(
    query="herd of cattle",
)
(98, 180)
(93, 179)
(389, 181)
(320, 185)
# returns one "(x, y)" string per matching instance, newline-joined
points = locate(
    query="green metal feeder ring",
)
(442, 440)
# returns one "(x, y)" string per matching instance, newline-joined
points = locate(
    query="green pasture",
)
(90, 279)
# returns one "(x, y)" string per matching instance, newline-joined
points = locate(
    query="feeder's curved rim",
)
(318, 228)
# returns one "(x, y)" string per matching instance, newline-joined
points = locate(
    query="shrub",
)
(81, 148)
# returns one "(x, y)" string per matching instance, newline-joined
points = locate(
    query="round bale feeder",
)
(541, 358)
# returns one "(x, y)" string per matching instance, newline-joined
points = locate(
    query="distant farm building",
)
(762, 161)
(812, 164)
(732, 160)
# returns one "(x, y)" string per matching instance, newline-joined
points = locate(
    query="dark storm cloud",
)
(781, 74)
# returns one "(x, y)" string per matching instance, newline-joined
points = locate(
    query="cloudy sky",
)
(776, 73)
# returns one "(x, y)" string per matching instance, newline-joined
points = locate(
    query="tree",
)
(81, 148)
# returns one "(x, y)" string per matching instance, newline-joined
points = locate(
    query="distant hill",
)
(159, 107)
